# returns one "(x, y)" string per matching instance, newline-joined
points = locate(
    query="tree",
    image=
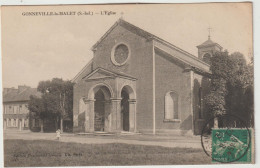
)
(231, 81)
(215, 100)
(36, 108)
(57, 100)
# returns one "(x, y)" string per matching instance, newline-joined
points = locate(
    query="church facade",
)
(138, 82)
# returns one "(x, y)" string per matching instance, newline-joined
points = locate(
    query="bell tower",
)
(208, 48)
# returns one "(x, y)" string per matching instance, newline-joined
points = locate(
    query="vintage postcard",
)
(128, 84)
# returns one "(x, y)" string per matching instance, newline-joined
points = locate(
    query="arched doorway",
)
(98, 115)
(125, 110)
(128, 109)
(99, 106)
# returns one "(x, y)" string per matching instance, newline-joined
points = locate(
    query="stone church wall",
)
(170, 76)
(139, 66)
(201, 114)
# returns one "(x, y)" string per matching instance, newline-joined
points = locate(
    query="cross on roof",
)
(209, 29)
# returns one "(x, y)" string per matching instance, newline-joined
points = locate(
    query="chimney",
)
(22, 88)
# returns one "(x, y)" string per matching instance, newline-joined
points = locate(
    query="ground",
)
(40, 149)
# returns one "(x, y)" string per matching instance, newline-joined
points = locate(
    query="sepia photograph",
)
(128, 84)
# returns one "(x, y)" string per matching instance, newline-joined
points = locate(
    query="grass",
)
(53, 153)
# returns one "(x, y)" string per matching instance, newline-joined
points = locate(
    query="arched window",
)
(171, 106)
(206, 58)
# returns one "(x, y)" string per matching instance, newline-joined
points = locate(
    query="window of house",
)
(10, 109)
(15, 110)
(14, 123)
(20, 108)
(171, 106)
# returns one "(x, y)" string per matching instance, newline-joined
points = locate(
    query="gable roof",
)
(101, 73)
(129, 27)
(146, 35)
(14, 95)
(137, 31)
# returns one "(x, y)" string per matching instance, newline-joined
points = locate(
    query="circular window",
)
(120, 54)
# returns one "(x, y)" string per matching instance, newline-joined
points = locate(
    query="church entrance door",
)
(125, 110)
(99, 120)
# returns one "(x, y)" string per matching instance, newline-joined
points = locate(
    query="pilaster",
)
(116, 115)
(89, 115)
(108, 116)
(132, 115)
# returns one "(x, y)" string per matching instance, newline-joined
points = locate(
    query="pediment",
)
(99, 74)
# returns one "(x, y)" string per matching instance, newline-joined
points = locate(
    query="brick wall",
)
(139, 66)
(170, 76)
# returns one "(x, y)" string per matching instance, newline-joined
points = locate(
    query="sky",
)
(36, 48)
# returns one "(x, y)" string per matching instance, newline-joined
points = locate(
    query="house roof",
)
(14, 95)
(208, 43)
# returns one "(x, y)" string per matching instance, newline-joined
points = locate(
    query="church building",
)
(138, 82)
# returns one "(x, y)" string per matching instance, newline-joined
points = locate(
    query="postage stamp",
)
(227, 142)
(231, 145)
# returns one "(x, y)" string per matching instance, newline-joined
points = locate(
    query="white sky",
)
(36, 48)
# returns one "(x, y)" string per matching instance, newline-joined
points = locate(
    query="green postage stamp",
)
(231, 145)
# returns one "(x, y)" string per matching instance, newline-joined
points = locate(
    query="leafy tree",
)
(36, 108)
(232, 79)
(215, 100)
(57, 100)
(240, 97)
